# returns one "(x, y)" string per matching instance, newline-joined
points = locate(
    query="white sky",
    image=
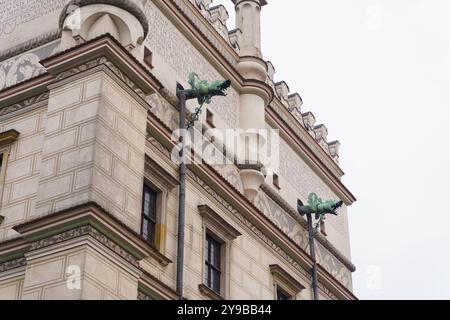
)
(377, 74)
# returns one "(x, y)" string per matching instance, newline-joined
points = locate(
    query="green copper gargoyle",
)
(203, 91)
(318, 207)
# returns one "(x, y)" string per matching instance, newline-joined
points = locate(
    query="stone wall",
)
(23, 168)
(86, 272)
(93, 150)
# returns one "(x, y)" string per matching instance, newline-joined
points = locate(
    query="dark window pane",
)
(207, 275)
(145, 229)
(216, 281)
(212, 264)
(281, 295)
(149, 214)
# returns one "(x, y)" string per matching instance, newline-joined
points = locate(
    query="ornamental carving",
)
(86, 230)
(24, 67)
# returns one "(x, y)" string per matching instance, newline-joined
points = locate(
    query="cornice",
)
(24, 94)
(12, 264)
(8, 137)
(90, 214)
(287, 278)
(150, 285)
(217, 221)
(80, 232)
(74, 60)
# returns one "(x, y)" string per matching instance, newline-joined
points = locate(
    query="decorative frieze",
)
(25, 66)
(98, 62)
(86, 230)
(13, 264)
(143, 297)
(168, 43)
(24, 104)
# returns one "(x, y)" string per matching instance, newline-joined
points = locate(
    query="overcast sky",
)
(377, 74)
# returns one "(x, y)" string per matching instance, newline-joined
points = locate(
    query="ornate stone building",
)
(88, 187)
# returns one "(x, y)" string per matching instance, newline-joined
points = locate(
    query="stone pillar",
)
(253, 100)
(248, 20)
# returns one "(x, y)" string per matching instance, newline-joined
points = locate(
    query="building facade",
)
(89, 183)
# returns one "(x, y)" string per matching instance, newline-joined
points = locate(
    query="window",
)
(286, 286)
(158, 184)
(282, 295)
(210, 118)
(218, 235)
(149, 214)
(276, 181)
(323, 228)
(148, 58)
(7, 138)
(212, 263)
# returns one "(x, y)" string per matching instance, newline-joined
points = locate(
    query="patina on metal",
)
(319, 209)
(203, 92)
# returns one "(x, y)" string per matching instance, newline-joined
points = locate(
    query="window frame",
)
(210, 118)
(283, 281)
(7, 138)
(145, 218)
(158, 179)
(216, 227)
(210, 266)
(282, 291)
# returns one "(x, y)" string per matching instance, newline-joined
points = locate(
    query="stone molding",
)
(111, 232)
(214, 219)
(103, 50)
(13, 264)
(86, 230)
(24, 104)
(151, 288)
(282, 276)
(207, 292)
(8, 137)
(143, 297)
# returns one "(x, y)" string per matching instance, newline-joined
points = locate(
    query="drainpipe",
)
(312, 250)
(182, 194)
